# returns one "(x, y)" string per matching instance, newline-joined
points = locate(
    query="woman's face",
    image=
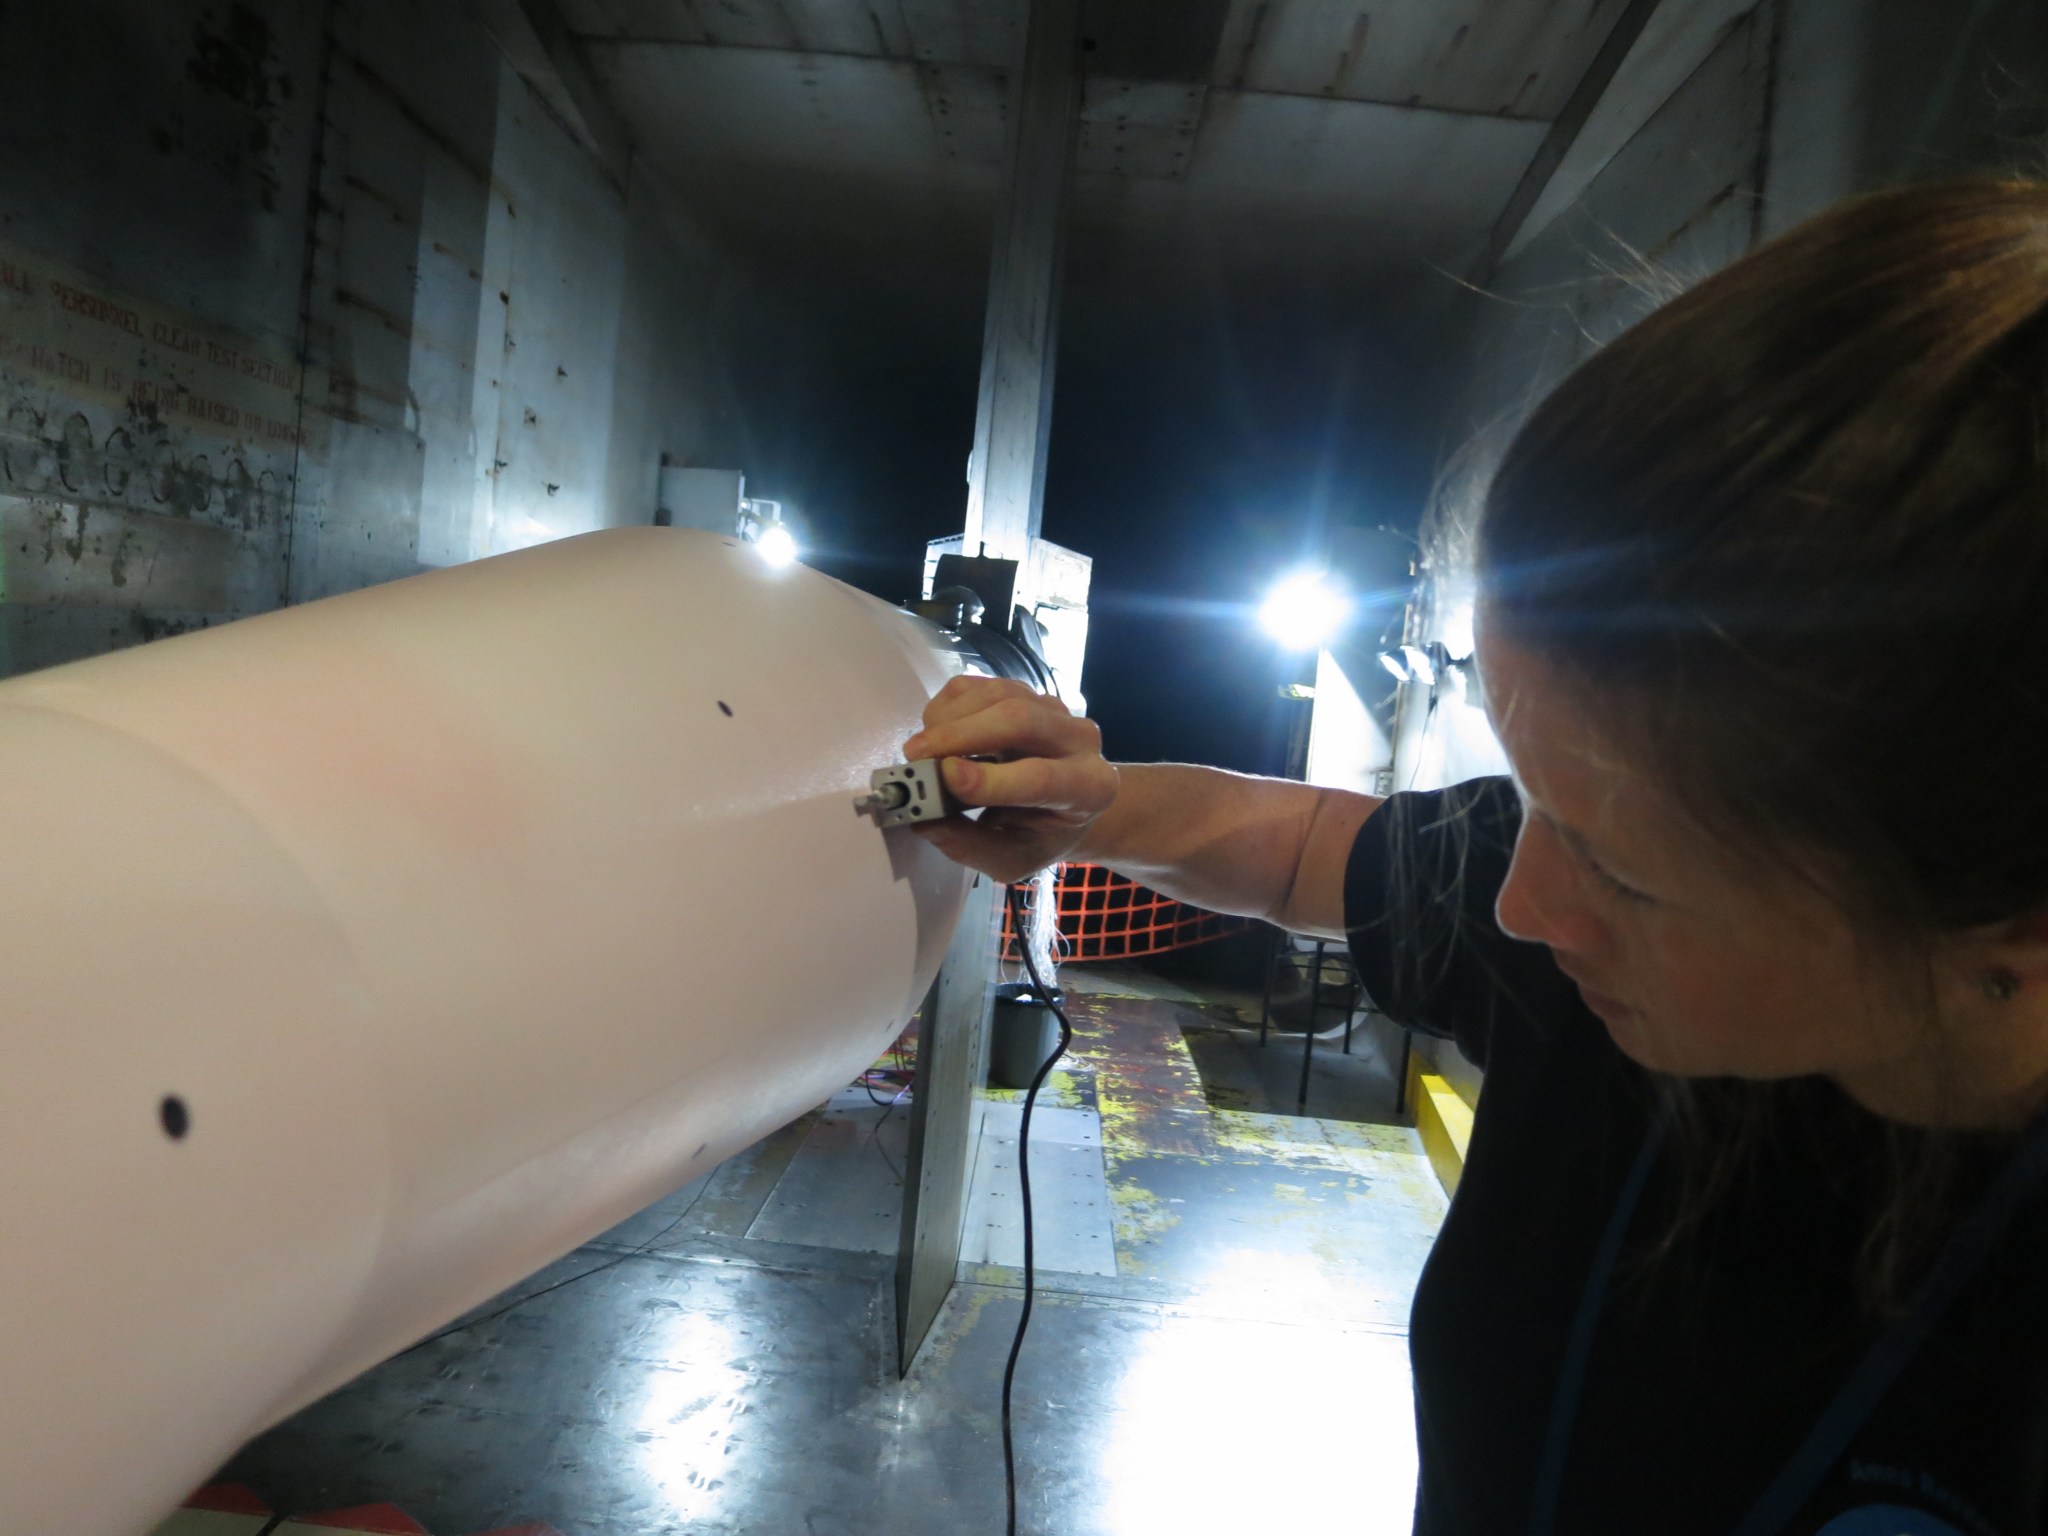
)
(1697, 965)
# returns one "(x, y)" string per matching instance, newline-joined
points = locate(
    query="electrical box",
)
(700, 498)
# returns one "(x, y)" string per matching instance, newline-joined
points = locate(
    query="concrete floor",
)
(1220, 1344)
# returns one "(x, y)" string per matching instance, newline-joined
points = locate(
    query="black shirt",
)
(1714, 1357)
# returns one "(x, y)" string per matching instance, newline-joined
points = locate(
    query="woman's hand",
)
(1037, 765)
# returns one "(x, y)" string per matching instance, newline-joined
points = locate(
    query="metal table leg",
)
(1266, 1003)
(1308, 1035)
(1353, 992)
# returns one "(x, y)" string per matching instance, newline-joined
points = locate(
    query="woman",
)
(1754, 945)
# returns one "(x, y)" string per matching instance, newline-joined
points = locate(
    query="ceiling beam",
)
(1564, 132)
(1020, 335)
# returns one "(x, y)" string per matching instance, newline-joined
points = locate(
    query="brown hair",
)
(1789, 537)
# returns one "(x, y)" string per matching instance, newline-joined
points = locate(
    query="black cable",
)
(874, 1136)
(645, 1248)
(1018, 921)
(614, 1262)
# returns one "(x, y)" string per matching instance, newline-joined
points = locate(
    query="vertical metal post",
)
(1006, 475)
(1274, 943)
(1005, 495)
(952, 1062)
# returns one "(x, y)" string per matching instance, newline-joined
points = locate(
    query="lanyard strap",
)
(1874, 1376)
(1859, 1395)
(1571, 1379)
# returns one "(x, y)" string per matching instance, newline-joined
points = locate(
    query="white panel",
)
(1059, 575)
(702, 498)
(1346, 747)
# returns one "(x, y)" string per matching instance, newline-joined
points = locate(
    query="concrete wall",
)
(1885, 91)
(1798, 104)
(296, 298)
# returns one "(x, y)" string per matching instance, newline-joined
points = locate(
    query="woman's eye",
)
(1617, 888)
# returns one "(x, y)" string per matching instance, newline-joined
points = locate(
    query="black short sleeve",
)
(1419, 893)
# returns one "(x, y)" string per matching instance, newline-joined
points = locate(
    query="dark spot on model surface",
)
(176, 1118)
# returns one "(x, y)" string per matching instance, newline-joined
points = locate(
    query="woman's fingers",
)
(1005, 724)
(1006, 844)
(1084, 785)
(1033, 767)
(966, 694)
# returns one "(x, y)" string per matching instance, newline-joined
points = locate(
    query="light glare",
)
(777, 545)
(1305, 611)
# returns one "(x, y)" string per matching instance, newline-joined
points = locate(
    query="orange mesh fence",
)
(1103, 916)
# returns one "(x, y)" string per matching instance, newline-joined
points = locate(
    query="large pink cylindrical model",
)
(361, 958)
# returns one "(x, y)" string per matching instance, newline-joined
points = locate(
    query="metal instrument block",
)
(906, 793)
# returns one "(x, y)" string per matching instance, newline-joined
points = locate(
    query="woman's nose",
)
(1542, 899)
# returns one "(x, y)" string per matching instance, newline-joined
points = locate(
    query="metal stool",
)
(1319, 948)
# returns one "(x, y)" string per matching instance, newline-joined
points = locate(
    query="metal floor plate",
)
(718, 1393)
(1222, 1295)
(1072, 1227)
(844, 1187)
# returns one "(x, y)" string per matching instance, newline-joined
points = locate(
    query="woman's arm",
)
(1269, 848)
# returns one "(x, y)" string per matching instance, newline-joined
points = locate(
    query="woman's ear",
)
(2007, 957)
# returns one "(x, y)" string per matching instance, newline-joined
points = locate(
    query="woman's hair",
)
(1787, 539)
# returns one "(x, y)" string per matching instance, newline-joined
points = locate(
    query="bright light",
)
(1305, 611)
(777, 545)
(690, 1413)
(1456, 628)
